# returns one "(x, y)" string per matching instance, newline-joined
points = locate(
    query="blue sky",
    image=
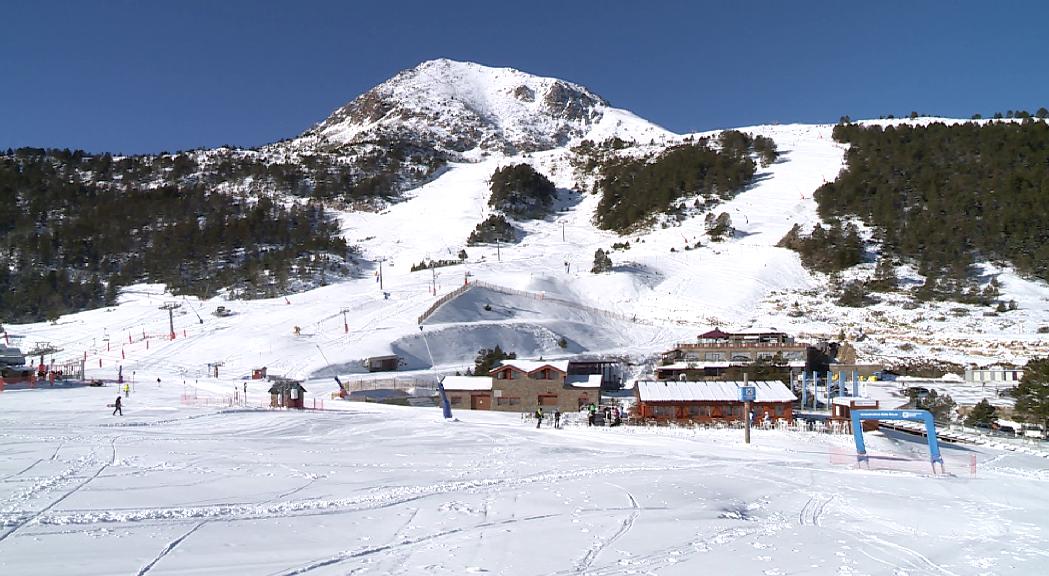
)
(137, 77)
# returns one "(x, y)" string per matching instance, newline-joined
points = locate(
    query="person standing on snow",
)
(538, 417)
(557, 418)
(116, 407)
(127, 390)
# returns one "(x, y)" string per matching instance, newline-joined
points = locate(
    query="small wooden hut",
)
(286, 393)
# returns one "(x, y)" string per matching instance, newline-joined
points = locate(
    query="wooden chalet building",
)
(468, 392)
(719, 355)
(523, 386)
(711, 401)
(286, 393)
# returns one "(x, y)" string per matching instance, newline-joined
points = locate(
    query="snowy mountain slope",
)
(671, 294)
(461, 106)
(658, 294)
(186, 482)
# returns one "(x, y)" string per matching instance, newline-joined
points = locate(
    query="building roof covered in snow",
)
(855, 401)
(467, 382)
(529, 366)
(710, 391)
(583, 380)
(281, 385)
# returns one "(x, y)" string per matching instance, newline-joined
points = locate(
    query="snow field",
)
(371, 489)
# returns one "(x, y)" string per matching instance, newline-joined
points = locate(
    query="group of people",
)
(117, 406)
(539, 417)
(124, 387)
(613, 416)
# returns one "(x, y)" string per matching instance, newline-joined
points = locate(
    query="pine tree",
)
(602, 263)
(1032, 395)
(719, 227)
(983, 414)
(487, 358)
(939, 405)
(885, 279)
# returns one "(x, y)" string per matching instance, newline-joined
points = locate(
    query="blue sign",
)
(748, 394)
(909, 415)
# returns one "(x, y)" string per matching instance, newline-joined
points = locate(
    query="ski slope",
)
(186, 483)
(370, 489)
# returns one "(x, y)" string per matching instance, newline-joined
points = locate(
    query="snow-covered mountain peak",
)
(461, 106)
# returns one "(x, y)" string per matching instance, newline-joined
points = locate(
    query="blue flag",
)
(445, 406)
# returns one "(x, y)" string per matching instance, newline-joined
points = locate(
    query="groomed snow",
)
(170, 488)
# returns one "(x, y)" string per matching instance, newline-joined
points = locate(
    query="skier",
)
(538, 417)
(557, 418)
(591, 414)
(127, 390)
(116, 407)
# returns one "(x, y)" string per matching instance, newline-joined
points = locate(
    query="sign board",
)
(748, 394)
(910, 415)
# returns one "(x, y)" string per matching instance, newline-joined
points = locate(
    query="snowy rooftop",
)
(708, 391)
(583, 380)
(697, 364)
(467, 382)
(850, 400)
(533, 365)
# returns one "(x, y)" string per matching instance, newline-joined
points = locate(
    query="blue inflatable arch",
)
(911, 415)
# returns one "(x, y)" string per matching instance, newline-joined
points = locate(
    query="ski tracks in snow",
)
(376, 500)
(34, 516)
(592, 554)
(171, 546)
(812, 512)
(362, 552)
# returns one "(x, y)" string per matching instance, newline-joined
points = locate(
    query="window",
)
(507, 401)
(731, 411)
(663, 411)
(698, 410)
(455, 400)
(713, 356)
(780, 411)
